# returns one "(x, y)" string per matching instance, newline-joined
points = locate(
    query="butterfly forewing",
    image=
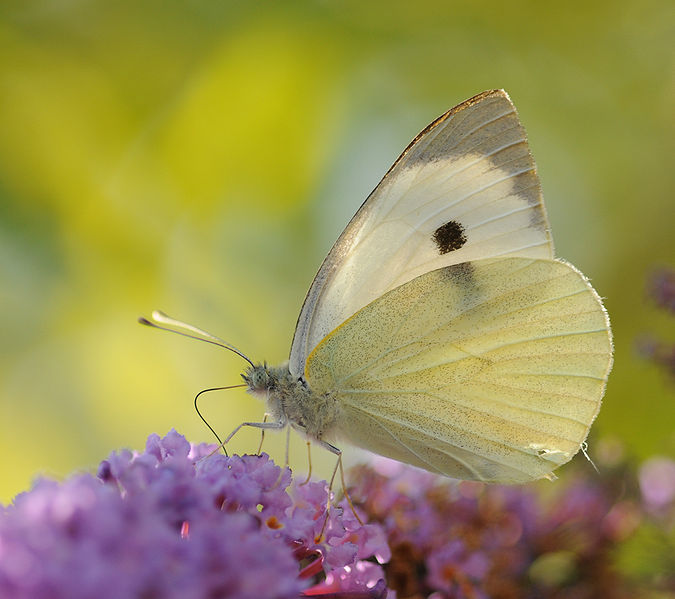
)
(491, 370)
(465, 189)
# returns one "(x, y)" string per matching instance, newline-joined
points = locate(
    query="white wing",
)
(492, 370)
(466, 188)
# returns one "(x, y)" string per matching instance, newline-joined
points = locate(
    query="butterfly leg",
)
(261, 425)
(338, 466)
(265, 426)
(309, 461)
(262, 434)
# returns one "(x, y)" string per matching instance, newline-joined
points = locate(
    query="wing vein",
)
(484, 455)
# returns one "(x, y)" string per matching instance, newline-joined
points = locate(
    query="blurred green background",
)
(201, 157)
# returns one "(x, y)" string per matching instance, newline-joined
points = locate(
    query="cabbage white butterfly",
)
(440, 330)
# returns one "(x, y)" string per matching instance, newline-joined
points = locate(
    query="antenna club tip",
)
(145, 321)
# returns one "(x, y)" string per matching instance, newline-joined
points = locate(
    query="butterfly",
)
(440, 330)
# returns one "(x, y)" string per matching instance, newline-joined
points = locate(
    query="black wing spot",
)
(449, 237)
(462, 275)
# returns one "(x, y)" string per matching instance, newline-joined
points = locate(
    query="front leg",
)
(264, 426)
(261, 425)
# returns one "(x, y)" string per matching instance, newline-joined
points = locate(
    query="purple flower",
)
(177, 521)
(167, 523)
(365, 580)
(455, 569)
(657, 482)
(453, 540)
(661, 288)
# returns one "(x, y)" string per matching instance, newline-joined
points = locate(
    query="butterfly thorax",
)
(291, 400)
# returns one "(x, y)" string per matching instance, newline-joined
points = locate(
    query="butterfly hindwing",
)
(492, 370)
(465, 189)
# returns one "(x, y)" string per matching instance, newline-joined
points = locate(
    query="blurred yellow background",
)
(201, 157)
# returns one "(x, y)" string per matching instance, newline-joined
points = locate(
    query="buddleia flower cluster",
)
(587, 537)
(177, 521)
(173, 523)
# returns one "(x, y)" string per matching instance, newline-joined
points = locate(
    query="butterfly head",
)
(258, 378)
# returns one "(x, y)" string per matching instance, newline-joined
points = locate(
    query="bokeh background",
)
(201, 157)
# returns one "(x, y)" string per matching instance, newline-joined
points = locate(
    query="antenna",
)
(162, 321)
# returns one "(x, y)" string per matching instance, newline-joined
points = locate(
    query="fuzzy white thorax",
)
(291, 401)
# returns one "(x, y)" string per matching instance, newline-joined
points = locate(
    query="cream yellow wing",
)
(466, 188)
(491, 370)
